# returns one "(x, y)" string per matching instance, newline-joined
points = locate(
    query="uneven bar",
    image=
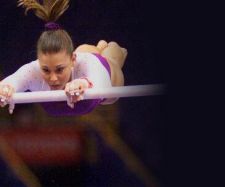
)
(92, 93)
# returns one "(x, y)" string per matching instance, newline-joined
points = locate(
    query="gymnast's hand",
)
(6, 92)
(75, 90)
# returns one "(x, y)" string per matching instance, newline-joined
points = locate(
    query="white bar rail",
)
(93, 93)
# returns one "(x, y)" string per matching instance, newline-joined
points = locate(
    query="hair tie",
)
(52, 26)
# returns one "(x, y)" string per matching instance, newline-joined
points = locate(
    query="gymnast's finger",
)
(71, 98)
(75, 86)
(70, 104)
(6, 91)
(10, 92)
(3, 101)
(80, 98)
(66, 89)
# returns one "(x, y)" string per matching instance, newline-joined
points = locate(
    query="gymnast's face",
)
(56, 69)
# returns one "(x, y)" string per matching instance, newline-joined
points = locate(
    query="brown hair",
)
(52, 40)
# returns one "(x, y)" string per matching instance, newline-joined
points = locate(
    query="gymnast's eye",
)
(59, 70)
(45, 70)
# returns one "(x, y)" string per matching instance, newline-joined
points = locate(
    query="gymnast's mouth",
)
(55, 87)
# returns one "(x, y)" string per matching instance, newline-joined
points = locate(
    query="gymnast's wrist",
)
(87, 82)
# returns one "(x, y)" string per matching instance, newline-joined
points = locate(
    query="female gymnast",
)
(57, 66)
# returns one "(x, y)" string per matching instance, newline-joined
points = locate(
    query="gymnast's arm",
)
(23, 79)
(91, 68)
(88, 70)
(19, 81)
(100, 77)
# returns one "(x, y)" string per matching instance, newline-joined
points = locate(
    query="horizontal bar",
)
(92, 93)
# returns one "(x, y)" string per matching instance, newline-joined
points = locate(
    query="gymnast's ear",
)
(74, 58)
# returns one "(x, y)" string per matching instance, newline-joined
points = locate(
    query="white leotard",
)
(28, 77)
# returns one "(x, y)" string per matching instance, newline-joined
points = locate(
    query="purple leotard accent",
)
(62, 109)
(80, 108)
(104, 62)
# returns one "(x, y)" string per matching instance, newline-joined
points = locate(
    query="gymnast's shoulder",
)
(32, 67)
(32, 64)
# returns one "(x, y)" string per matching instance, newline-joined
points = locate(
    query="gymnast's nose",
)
(53, 78)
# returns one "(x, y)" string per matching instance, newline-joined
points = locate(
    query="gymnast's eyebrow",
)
(44, 67)
(61, 66)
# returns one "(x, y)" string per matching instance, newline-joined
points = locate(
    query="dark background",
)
(135, 25)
